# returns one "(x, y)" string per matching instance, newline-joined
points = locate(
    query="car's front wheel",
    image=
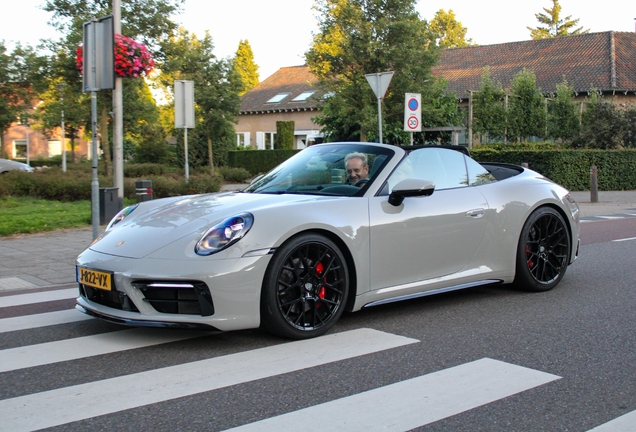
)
(543, 251)
(305, 288)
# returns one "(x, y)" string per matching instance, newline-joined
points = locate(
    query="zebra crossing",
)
(400, 406)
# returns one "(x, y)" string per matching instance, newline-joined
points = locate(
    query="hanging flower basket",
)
(132, 59)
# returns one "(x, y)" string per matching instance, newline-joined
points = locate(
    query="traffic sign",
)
(413, 112)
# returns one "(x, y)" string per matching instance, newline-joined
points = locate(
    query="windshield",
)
(326, 169)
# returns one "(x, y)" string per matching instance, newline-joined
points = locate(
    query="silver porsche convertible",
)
(340, 226)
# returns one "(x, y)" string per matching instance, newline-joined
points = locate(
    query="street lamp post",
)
(61, 87)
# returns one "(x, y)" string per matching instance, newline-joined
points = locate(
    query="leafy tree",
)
(216, 88)
(526, 107)
(554, 26)
(284, 135)
(489, 110)
(602, 124)
(146, 21)
(447, 31)
(245, 67)
(563, 118)
(629, 127)
(358, 37)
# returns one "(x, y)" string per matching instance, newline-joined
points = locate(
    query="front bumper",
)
(226, 297)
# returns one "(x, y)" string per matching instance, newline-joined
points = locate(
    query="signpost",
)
(412, 113)
(184, 113)
(379, 82)
(99, 74)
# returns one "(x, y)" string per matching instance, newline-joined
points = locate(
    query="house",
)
(603, 61)
(26, 142)
(287, 95)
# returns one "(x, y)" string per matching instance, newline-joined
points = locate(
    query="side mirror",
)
(410, 188)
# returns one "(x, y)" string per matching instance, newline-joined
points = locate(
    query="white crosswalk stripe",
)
(400, 406)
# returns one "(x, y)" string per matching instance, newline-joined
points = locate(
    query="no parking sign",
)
(413, 112)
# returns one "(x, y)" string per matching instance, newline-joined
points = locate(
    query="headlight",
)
(224, 234)
(121, 216)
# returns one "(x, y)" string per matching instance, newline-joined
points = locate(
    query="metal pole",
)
(95, 179)
(118, 120)
(185, 147)
(593, 184)
(63, 132)
(380, 118)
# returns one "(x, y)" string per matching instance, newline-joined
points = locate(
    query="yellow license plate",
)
(93, 278)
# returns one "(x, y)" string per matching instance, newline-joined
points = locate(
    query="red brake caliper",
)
(322, 291)
(530, 262)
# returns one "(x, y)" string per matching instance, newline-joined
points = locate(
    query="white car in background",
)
(7, 165)
(300, 245)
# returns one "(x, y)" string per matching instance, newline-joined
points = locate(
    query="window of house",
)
(279, 97)
(243, 139)
(269, 140)
(19, 149)
(303, 96)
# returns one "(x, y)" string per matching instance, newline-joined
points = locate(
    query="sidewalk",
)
(47, 260)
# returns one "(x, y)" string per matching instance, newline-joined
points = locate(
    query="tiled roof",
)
(605, 61)
(293, 80)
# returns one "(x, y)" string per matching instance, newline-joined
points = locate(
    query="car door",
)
(426, 237)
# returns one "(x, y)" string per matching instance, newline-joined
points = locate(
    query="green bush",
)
(258, 161)
(234, 175)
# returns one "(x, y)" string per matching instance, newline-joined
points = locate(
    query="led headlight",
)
(224, 234)
(121, 216)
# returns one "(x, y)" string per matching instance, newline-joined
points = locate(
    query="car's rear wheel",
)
(543, 252)
(305, 288)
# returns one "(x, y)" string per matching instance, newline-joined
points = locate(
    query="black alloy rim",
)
(310, 286)
(546, 249)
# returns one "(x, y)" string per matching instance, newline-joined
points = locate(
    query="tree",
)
(563, 118)
(554, 25)
(489, 110)
(146, 21)
(602, 124)
(358, 37)
(216, 97)
(526, 107)
(447, 31)
(284, 135)
(245, 67)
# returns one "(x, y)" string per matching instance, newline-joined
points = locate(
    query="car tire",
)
(305, 288)
(543, 252)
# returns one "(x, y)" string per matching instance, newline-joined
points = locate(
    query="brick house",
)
(288, 94)
(605, 61)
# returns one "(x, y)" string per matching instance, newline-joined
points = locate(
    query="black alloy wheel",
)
(543, 252)
(305, 288)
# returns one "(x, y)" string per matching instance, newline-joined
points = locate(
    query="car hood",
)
(159, 223)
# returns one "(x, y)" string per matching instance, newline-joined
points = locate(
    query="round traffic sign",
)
(413, 122)
(413, 104)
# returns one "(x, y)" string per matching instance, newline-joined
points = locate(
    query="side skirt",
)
(433, 292)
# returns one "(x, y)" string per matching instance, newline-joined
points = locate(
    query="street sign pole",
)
(379, 82)
(184, 114)
(412, 113)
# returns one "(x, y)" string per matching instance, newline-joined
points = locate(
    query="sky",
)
(280, 31)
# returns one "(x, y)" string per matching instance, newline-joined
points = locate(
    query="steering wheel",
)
(360, 183)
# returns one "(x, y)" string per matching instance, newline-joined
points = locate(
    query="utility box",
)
(108, 204)
(143, 189)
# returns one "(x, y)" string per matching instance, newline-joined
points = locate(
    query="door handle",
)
(475, 213)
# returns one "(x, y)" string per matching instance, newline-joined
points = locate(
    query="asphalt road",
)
(486, 359)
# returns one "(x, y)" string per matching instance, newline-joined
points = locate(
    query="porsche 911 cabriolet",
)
(339, 226)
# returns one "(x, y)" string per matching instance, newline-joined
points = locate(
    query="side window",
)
(477, 174)
(446, 168)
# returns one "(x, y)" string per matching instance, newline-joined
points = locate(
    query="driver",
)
(357, 169)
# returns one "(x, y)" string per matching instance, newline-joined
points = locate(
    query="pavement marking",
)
(98, 398)
(26, 322)
(624, 423)
(39, 297)
(87, 346)
(10, 283)
(624, 239)
(415, 402)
